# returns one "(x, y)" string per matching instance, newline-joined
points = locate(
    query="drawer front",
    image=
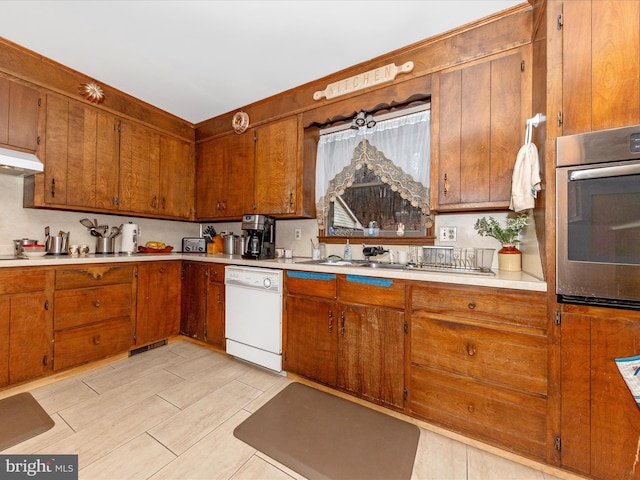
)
(502, 417)
(513, 359)
(524, 308)
(92, 342)
(90, 305)
(216, 272)
(371, 291)
(93, 276)
(322, 285)
(22, 280)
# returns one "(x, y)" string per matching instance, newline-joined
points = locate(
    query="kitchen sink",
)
(392, 266)
(399, 267)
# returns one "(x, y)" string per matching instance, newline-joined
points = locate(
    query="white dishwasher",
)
(253, 315)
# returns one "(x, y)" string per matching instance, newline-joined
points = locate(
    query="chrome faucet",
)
(368, 252)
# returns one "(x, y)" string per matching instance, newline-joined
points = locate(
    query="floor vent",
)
(148, 347)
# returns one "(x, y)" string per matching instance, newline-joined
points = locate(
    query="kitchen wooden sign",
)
(373, 77)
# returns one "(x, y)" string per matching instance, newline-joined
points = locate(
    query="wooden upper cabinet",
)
(478, 124)
(139, 168)
(81, 155)
(177, 168)
(19, 112)
(224, 177)
(600, 68)
(277, 167)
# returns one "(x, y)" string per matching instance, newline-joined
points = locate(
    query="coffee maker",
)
(260, 231)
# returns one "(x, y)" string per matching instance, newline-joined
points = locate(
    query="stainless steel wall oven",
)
(598, 218)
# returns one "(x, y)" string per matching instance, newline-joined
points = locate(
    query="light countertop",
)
(514, 280)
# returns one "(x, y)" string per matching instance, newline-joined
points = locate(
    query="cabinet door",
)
(311, 343)
(5, 310)
(177, 169)
(480, 113)
(139, 168)
(81, 163)
(276, 167)
(224, 180)
(599, 416)
(158, 307)
(19, 111)
(30, 348)
(193, 303)
(214, 332)
(600, 69)
(371, 353)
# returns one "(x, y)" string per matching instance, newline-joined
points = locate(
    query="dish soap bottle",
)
(347, 251)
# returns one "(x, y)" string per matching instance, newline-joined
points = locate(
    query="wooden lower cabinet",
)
(214, 332)
(202, 312)
(371, 353)
(600, 420)
(355, 347)
(26, 347)
(478, 364)
(311, 338)
(158, 301)
(94, 313)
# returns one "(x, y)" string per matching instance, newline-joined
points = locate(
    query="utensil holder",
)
(105, 245)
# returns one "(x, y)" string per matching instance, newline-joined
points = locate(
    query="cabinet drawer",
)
(371, 291)
(84, 344)
(90, 305)
(94, 275)
(512, 420)
(21, 280)
(322, 285)
(515, 360)
(487, 304)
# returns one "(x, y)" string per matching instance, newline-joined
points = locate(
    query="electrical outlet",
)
(448, 234)
(297, 234)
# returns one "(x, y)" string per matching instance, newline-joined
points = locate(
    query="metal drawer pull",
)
(471, 349)
(96, 303)
(97, 276)
(96, 340)
(471, 305)
(470, 408)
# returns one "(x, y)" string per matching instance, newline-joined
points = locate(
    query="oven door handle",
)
(615, 171)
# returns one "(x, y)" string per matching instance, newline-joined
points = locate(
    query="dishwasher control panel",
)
(254, 278)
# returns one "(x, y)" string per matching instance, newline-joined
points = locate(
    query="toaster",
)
(194, 245)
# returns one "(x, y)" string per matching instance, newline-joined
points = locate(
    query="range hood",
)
(20, 164)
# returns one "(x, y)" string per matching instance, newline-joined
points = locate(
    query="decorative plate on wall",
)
(240, 122)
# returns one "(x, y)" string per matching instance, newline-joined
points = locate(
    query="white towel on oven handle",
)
(525, 183)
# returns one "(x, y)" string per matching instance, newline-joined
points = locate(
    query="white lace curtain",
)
(397, 150)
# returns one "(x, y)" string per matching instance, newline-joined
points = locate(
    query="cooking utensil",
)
(87, 223)
(94, 232)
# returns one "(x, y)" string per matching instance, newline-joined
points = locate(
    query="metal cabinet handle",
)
(162, 270)
(471, 305)
(470, 408)
(330, 321)
(342, 323)
(446, 185)
(96, 303)
(96, 340)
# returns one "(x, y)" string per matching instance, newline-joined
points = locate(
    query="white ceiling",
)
(199, 59)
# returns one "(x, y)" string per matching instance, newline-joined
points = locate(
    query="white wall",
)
(18, 222)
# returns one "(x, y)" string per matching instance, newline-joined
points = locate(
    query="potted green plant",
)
(509, 257)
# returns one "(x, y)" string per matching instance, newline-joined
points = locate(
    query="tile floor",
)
(169, 413)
